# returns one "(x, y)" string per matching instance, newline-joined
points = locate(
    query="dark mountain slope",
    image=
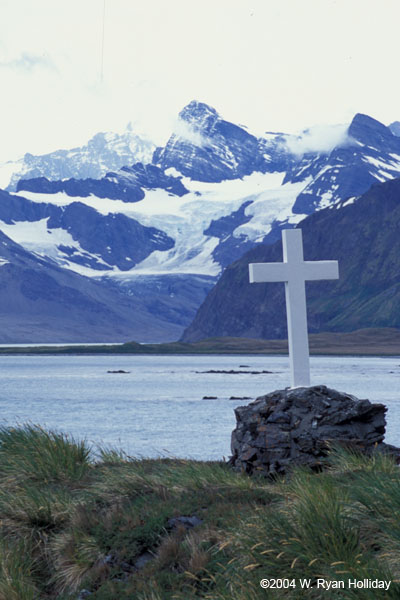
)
(41, 302)
(364, 237)
(128, 184)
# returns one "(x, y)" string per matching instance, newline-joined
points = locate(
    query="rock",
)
(233, 372)
(187, 522)
(298, 426)
(84, 594)
(142, 560)
(119, 371)
(240, 398)
(210, 397)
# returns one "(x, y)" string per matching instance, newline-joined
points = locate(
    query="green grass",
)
(71, 519)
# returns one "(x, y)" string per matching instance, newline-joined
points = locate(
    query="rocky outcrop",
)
(298, 427)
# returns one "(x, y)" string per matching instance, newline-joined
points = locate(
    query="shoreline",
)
(364, 342)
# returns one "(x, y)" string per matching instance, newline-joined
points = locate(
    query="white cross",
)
(294, 271)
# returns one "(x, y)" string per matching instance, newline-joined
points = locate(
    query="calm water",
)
(157, 409)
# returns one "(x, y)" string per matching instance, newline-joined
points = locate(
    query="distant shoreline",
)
(364, 342)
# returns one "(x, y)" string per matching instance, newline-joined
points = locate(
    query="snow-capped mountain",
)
(204, 147)
(180, 216)
(369, 154)
(103, 152)
(164, 231)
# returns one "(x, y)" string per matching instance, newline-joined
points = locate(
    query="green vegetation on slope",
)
(70, 521)
(362, 236)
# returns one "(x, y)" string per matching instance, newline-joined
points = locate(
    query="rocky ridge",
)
(104, 152)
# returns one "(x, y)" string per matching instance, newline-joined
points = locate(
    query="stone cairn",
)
(299, 426)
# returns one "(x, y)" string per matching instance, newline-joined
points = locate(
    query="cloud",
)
(27, 61)
(187, 132)
(319, 138)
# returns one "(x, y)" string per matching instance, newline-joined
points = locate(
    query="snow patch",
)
(37, 238)
(385, 170)
(348, 202)
(380, 175)
(172, 172)
(326, 199)
(269, 206)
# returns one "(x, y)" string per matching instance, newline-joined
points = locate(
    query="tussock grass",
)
(32, 453)
(73, 520)
(17, 571)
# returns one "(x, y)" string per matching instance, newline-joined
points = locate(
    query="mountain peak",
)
(199, 115)
(197, 108)
(205, 147)
(395, 128)
(369, 131)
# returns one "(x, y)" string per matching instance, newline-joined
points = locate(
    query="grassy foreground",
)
(71, 521)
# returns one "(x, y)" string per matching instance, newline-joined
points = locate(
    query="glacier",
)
(184, 219)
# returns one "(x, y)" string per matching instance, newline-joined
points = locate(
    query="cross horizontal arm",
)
(321, 269)
(268, 272)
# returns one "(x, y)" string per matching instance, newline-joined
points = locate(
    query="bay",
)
(157, 409)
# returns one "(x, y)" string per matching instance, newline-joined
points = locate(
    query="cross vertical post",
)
(294, 272)
(296, 309)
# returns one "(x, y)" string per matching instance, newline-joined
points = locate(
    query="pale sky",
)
(273, 65)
